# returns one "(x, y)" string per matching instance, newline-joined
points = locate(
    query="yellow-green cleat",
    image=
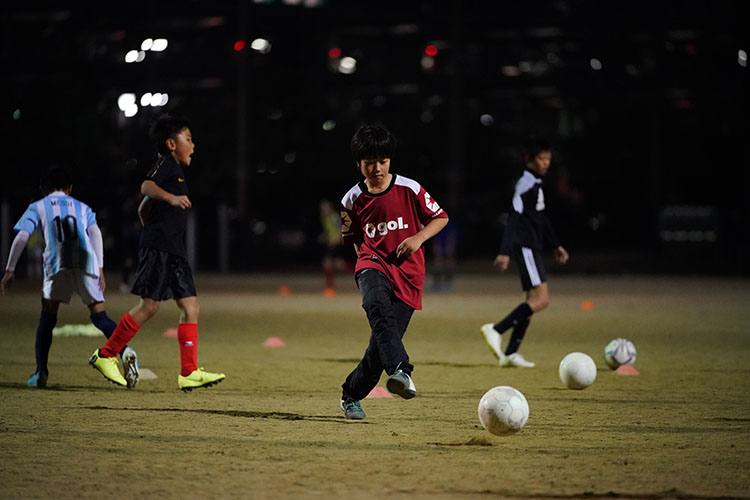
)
(199, 378)
(108, 368)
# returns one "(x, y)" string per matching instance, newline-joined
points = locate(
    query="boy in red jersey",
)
(387, 217)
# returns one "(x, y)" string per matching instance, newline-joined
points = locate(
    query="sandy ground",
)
(273, 429)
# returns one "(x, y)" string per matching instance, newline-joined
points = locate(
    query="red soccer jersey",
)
(379, 222)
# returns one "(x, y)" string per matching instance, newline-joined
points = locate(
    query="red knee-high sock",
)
(125, 331)
(187, 336)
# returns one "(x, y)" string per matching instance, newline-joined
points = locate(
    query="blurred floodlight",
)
(595, 63)
(486, 120)
(290, 157)
(164, 99)
(334, 52)
(511, 71)
(131, 56)
(431, 50)
(428, 62)
(125, 101)
(16, 114)
(146, 99)
(147, 44)
(160, 44)
(155, 100)
(141, 56)
(742, 58)
(261, 45)
(347, 65)
(524, 66)
(239, 45)
(131, 111)
(329, 125)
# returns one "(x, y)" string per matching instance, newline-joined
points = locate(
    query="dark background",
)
(650, 162)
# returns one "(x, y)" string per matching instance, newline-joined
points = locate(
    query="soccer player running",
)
(163, 271)
(73, 261)
(526, 232)
(387, 217)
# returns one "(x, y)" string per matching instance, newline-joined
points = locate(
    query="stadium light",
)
(125, 101)
(147, 44)
(742, 58)
(347, 65)
(334, 52)
(131, 56)
(261, 45)
(595, 63)
(146, 99)
(431, 50)
(160, 45)
(239, 45)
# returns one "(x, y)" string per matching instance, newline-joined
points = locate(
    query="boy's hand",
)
(561, 254)
(501, 262)
(407, 247)
(181, 201)
(7, 281)
(102, 283)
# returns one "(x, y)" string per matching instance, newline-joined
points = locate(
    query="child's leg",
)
(377, 301)
(388, 324)
(128, 326)
(187, 334)
(43, 342)
(537, 299)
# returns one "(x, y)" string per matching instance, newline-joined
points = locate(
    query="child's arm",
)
(95, 235)
(154, 192)
(413, 243)
(16, 249)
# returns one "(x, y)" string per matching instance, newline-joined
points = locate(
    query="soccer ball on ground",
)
(577, 370)
(619, 352)
(503, 410)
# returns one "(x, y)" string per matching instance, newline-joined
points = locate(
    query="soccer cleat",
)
(515, 359)
(199, 378)
(401, 383)
(352, 409)
(38, 380)
(108, 368)
(130, 366)
(493, 339)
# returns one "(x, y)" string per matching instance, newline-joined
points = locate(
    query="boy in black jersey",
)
(163, 271)
(526, 232)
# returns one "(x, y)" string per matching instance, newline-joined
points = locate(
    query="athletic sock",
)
(521, 312)
(125, 330)
(187, 337)
(47, 322)
(519, 330)
(105, 324)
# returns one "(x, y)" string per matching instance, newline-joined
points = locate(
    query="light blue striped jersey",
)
(62, 220)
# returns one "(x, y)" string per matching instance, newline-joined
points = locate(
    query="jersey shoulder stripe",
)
(351, 196)
(410, 183)
(524, 185)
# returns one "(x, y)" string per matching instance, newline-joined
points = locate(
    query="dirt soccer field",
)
(273, 428)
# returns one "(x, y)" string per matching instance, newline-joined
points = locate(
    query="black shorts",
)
(162, 276)
(530, 267)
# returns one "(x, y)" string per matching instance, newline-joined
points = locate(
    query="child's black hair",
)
(372, 141)
(55, 178)
(165, 127)
(535, 145)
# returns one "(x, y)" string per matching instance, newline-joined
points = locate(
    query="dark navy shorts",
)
(530, 267)
(162, 276)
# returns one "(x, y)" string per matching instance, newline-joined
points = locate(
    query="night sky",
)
(645, 103)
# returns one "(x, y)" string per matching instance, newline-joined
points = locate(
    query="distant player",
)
(527, 231)
(334, 257)
(73, 261)
(387, 217)
(163, 271)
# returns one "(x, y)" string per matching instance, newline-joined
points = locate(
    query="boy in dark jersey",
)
(526, 232)
(163, 271)
(387, 217)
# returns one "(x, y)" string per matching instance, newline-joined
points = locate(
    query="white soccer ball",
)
(577, 370)
(503, 410)
(619, 352)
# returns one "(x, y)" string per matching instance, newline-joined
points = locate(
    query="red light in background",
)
(334, 53)
(431, 50)
(239, 45)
